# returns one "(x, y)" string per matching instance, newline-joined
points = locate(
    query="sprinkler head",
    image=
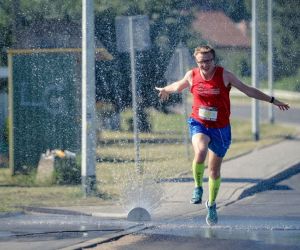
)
(138, 214)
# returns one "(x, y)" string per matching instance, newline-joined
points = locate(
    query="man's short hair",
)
(205, 49)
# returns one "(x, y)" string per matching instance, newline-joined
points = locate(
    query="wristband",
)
(272, 99)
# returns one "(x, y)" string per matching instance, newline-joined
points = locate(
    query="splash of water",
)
(140, 191)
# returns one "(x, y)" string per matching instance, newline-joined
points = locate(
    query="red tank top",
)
(211, 105)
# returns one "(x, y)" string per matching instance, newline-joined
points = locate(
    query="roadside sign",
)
(44, 105)
(135, 28)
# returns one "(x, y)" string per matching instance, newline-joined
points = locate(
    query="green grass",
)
(162, 152)
(13, 198)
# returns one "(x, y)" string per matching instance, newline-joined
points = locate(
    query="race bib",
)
(208, 113)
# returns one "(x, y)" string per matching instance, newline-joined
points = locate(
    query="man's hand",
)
(163, 94)
(281, 105)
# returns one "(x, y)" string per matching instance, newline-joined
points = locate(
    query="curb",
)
(53, 211)
(11, 214)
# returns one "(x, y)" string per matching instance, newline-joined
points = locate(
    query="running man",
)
(209, 121)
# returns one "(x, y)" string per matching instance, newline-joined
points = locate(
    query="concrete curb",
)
(11, 214)
(44, 210)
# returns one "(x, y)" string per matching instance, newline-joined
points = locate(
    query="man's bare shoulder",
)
(188, 76)
(228, 76)
(227, 73)
(190, 72)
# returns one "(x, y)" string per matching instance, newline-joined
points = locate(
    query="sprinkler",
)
(138, 214)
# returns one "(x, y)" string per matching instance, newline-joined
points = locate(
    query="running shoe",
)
(212, 216)
(197, 195)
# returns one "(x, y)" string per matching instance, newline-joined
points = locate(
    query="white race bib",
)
(208, 113)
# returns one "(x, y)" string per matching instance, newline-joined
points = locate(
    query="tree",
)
(286, 38)
(236, 9)
(168, 19)
(286, 22)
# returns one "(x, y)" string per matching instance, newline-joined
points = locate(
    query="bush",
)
(67, 171)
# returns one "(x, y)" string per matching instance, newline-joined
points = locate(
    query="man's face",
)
(205, 61)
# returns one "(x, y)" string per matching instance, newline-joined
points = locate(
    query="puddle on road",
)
(50, 227)
(268, 230)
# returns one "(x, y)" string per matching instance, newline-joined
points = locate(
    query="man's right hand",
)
(163, 94)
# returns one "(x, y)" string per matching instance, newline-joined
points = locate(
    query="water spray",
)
(139, 213)
(128, 41)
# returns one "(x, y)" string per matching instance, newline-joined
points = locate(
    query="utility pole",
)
(254, 75)
(270, 59)
(88, 134)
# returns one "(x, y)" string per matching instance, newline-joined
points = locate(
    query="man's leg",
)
(214, 173)
(200, 145)
(214, 169)
(198, 171)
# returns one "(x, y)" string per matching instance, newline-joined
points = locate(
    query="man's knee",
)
(200, 156)
(214, 173)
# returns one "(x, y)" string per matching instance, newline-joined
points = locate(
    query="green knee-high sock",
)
(198, 170)
(214, 186)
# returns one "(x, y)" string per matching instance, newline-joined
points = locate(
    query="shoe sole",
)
(195, 202)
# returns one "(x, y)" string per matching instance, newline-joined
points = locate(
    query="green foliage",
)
(169, 24)
(67, 171)
(237, 10)
(33, 9)
(286, 22)
(286, 38)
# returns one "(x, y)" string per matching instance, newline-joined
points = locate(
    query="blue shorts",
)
(220, 138)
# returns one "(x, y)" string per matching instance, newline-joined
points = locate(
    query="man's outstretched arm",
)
(230, 78)
(174, 87)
